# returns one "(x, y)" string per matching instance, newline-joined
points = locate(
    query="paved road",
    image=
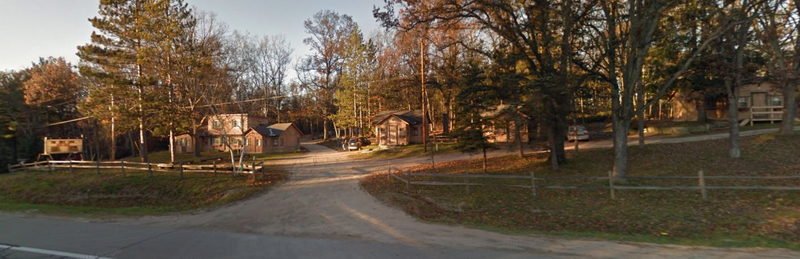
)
(320, 212)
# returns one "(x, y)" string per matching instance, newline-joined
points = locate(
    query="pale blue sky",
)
(30, 29)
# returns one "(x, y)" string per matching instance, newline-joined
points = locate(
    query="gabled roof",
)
(412, 117)
(272, 130)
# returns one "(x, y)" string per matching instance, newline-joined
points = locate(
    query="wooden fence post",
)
(49, 165)
(215, 167)
(533, 184)
(408, 181)
(611, 185)
(97, 165)
(122, 165)
(263, 172)
(70, 166)
(181, 169)
(702, 182)
(149, 169)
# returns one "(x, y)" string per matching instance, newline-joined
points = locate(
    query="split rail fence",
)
(50, 165)
(407, 178)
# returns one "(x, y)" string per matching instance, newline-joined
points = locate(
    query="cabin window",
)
(215, 124)
(743, 102)
(276, 141)
(776, 100)
(217, 141)
(258, 143)
(236, 123)
(246, 142)
(414, 131)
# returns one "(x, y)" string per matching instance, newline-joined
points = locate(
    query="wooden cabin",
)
(500, 126)
(278, 137)
(242, 132)
(757, 102)
(398, 128)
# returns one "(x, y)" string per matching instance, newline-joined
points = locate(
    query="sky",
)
(30, 29)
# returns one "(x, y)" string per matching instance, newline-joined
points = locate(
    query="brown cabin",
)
(242, 132)
(762, 101)
(500, 126)
(398, 128)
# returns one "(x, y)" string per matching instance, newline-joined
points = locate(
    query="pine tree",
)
(352, 96)
(129, 57)
(473, 99)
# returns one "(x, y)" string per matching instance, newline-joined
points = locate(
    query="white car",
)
(577, 132)
(353, 144)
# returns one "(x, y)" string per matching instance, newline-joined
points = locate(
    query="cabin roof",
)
(412, 117)
(272, 130)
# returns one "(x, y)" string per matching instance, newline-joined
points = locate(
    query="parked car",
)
(364, 141)
(353, 144)
(577, 132)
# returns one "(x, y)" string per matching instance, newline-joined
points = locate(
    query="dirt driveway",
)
(323, 199)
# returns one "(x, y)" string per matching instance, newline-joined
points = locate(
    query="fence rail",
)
(249, 168)
(407, 178)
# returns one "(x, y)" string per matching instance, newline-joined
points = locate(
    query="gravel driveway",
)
(322, 199)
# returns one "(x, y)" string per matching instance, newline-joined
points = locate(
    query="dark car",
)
(364, 141)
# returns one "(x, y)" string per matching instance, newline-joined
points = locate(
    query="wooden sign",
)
(62, 146)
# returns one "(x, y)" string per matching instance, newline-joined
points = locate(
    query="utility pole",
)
(171, 94)
(113, 153)
(422, 101)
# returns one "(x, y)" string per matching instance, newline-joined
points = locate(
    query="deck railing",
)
(766, 113)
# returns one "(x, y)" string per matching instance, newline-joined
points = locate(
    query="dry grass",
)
(110, 192)
(728, 218)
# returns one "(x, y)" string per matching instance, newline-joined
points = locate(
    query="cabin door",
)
(759, 99)
(392, 135)
(253, 145)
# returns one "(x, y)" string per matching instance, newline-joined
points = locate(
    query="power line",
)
(201, 106)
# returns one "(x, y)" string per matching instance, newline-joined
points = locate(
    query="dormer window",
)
(215, 124)
(236, 123)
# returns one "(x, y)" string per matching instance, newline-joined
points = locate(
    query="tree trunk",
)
(789, 108)
(559, 133)
(324, 129)
(195, 141)
(733, 120)
(518, 137)
(640, 112)
(484, 160)
(701, 111)
(620, 148)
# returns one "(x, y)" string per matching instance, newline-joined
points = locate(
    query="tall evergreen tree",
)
(130, 57)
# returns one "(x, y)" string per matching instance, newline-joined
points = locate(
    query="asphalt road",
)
(123, 241)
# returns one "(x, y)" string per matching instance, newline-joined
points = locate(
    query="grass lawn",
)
(695, 128)
(84, 192)
(728, 218)
(403, 151)
(163, 156)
